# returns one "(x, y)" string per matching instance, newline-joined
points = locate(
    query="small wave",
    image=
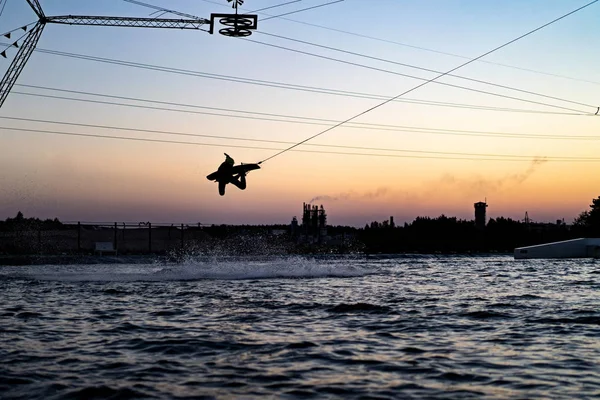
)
(15, 380)
(503, 305)
(28, 314)
(127, 327)
(167, 313)
(413, 350)
(485, 315)
(584, 311)
(334, 390)
(524, 297)
(116, 292)
(583, 283)
(593, 320)
(104, 392)
(458, 377)
(301, 393)
(360, 308)
(301, 345)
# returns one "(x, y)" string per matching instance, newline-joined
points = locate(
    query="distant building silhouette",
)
(294, 227)
(480, 218)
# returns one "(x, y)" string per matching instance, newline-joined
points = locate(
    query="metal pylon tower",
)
(238, 25)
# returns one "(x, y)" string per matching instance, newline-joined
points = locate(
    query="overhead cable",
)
(426, 69)
(304, 9)
(430, 80)
(3, 5)
(412, 76)
(114, 137)
(275, 6)
(295, 119)
(322, 91)
(289, 86)
(171, 133)
(196, 73)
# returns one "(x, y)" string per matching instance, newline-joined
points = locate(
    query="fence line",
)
(100, 237)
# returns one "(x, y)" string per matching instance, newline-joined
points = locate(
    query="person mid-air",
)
(230, 173)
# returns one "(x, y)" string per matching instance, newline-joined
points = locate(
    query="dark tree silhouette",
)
(588, 222)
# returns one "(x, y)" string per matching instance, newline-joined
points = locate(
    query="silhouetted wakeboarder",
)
(230, 173)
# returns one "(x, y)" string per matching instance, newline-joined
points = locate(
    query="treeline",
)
(588, 222)
(20, 223)
(451, 235)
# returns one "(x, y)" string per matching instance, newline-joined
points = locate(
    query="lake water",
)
(301, 327)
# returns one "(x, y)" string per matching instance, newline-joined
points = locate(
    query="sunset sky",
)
(436, 151)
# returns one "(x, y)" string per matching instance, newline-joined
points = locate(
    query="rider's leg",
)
(239, 181)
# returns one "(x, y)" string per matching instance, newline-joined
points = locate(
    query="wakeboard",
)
(237, 169)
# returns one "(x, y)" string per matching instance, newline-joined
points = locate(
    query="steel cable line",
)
(321, 121)
(427, 70)
(412, 76)
(282, 85)
(421, 48)
(166, 11)
(442, 52)
(3, 5)
(139, 3)
(275, 6)
(196, 73)
(114, 137)
(356, 125)
(304, 9)
(441, 104)
(431, 80)
(284, 142)
(428, 103)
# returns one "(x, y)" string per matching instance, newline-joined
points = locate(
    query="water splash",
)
(192, 268)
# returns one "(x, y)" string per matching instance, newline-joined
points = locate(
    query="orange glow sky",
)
(94, 179)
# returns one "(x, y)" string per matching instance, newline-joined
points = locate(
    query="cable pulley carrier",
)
(237, 25)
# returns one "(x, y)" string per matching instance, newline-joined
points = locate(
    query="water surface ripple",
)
(336, 327)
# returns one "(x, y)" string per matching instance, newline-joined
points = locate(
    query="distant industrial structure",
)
(314, 224)
(480, 218)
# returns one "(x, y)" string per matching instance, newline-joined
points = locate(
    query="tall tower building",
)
(480, 215)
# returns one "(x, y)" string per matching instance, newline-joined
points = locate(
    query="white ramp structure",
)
(574, 248)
